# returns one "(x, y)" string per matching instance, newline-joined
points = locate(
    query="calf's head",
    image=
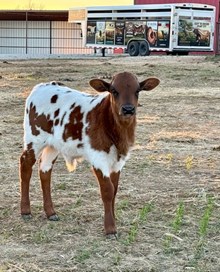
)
(124, 89)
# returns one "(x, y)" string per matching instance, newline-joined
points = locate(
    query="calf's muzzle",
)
(128, 110)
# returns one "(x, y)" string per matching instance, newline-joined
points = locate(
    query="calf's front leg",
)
(114, 179)
(107, 190)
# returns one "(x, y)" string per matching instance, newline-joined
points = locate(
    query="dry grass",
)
(168, 203)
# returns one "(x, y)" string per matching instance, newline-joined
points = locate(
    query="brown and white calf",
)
(99, 128)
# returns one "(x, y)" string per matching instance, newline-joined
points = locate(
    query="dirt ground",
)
(168, 204)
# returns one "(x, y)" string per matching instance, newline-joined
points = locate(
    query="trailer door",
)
(193, 29)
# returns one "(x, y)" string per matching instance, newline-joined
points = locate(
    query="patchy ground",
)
(168, 204)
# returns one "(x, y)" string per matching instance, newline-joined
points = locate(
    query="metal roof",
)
(33, 15)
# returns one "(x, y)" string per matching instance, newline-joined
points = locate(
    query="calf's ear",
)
(149, 83)
(99, 85)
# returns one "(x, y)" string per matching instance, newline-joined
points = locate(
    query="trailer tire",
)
(133, 49)
(144, 49)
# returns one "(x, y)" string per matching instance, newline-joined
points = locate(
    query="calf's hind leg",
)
(27, 160)
(48, 158)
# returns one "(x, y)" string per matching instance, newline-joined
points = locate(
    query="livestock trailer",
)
(140, 29)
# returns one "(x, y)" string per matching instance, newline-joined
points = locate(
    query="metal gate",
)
(40, 37)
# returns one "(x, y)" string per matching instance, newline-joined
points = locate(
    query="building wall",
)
(40, 37)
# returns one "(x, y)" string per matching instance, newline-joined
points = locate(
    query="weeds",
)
(141, 218)
(203, 225)
(169, 157)
(132, 234)
(144, 212)
(178, 220)
(4, 212)
(117, 259)
(176, 225)
(121, 207)
(62, 186)
(189, 162)
(78, 202)
(41, 236)
(165, 158)
(84, 254)
(202, 232)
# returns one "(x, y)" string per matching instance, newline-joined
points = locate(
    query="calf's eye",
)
(137, 93)
(115, 93)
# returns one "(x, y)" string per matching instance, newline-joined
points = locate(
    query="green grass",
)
(61, 186)
(137, 223)
(203, 227)
(202, 233)
(143, 213)
(86, 252)
(5, 212)
(41, 236)
(83, 255)
(204, 222)
(121, 206)
(178, 220)
(175, 227)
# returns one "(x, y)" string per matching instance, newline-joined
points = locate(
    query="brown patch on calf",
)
(61, 122)
(57, 83)
(73, 129)
(56, 113)
(98, 127)
(54, 98)
(72, 106)
(105, 129)
(30, 152)
(80, 146)
(39, 121)
(56, 122)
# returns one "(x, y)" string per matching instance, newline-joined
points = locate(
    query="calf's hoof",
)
(26, 217)
(53, 217)
(112, 236)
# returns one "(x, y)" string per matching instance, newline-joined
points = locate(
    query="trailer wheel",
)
(144, 48)
(133, 49)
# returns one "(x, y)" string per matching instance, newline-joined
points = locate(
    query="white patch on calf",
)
(106, 162)
(48, 155)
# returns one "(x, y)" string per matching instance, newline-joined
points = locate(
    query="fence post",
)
(26, 38)
(50, 37)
